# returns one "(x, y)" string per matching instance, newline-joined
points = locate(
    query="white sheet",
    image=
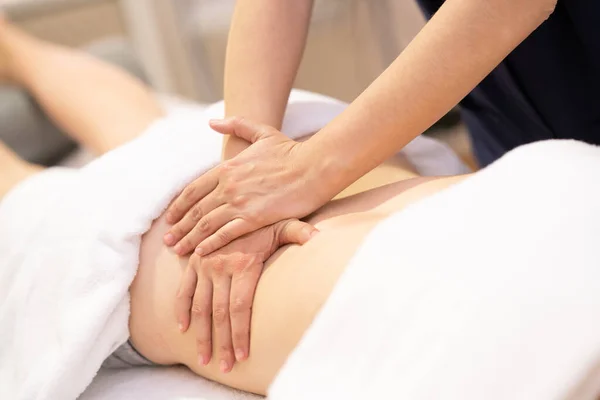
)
(487, 290)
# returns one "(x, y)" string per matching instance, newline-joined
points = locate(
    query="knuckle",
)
(199, 311)
(239, 306)
(224, 169)
(243, 262)
(203, 343)
(254, 216)
(220, 314)
(240, 200)
(203, 225)
(230, 188)
(217, 263)
(224, 237)
(195, 262)
(227, 167)
(174, 209)
(238, 267)
(196, 213)
(188, 193)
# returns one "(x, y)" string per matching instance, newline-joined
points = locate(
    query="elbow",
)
(544, 8)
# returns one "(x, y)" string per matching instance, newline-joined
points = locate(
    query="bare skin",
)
(297, 279)
(295, 284)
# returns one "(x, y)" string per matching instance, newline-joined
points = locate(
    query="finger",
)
(195, 226)
(227, 233)
(185, 294)
(208, 225)
(201, 318)
(294, 231)
(193, 193)
(243, 287)
(242, 128)
(222, 325)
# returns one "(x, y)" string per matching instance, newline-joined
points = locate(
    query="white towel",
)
(487, 290)
(69, 244)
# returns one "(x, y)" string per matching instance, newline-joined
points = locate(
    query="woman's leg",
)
(97, 104)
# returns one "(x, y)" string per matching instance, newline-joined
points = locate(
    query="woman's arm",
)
(264, 50)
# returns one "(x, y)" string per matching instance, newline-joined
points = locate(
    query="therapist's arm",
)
(461, 44)
(265, 46)
(277, 178)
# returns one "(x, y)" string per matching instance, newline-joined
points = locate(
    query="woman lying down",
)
(103, 109)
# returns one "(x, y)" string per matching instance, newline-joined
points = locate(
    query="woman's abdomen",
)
(296, 282)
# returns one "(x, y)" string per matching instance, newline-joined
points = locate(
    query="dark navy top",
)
(548, 87)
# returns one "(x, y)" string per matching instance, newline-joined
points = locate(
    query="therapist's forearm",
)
(461, 44)
(265, 46)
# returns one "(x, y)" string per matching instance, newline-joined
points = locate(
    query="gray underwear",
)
(126, 356)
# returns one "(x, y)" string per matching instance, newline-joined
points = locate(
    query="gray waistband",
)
(126, 356)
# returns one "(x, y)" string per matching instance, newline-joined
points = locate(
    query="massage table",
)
(466, 321)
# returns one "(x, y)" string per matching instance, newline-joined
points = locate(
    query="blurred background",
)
(178, 46)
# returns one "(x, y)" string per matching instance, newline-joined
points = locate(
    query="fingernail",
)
(224, 366)
(199, 251)
(314, 233)
(239, 354)
(180, 327)
(215, 120)
(169, 239)
(201, 360)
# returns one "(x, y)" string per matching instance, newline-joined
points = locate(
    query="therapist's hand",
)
(218, 290)
(270, 181)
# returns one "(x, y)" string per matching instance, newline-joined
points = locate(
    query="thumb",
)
(293, 231)
(243, 128)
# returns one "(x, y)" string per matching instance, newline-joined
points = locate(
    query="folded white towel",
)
(487, 290)
(69, 244)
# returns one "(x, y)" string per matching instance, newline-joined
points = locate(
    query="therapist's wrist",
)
(326, 172)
